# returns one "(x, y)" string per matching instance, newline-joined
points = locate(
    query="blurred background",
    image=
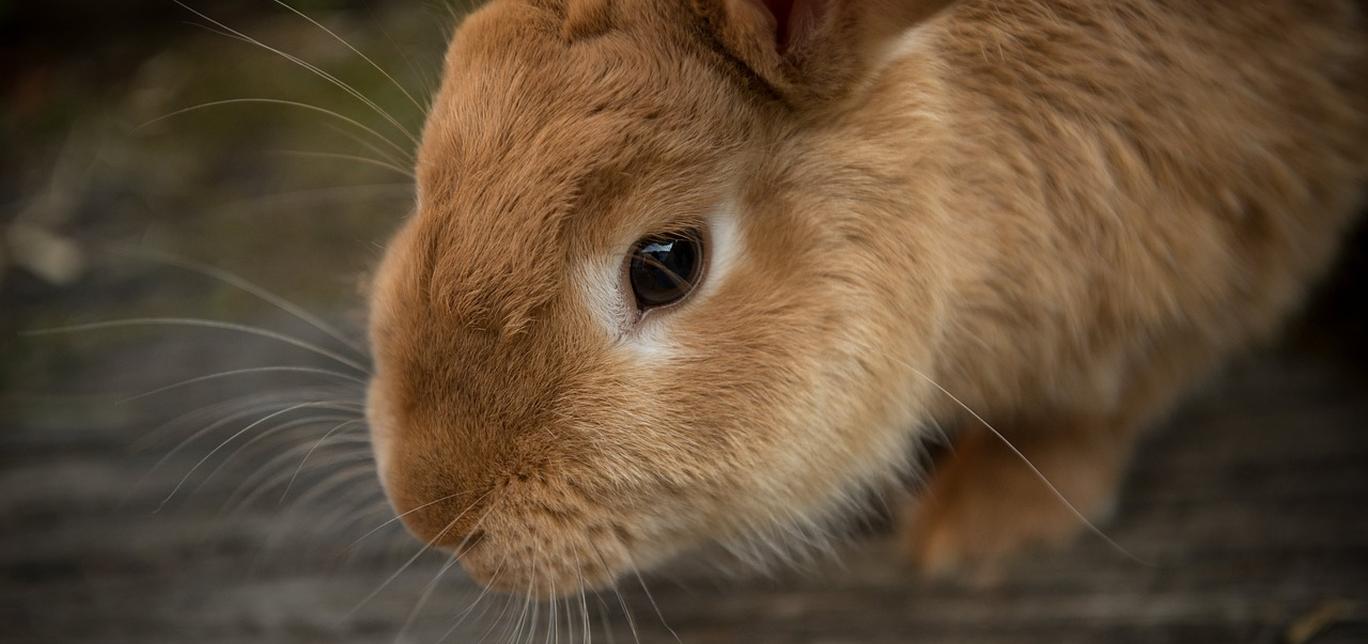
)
(163, 164)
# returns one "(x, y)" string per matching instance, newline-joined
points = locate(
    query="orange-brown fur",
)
(1062, 212)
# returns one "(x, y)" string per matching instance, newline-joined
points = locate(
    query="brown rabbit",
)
(703, 272)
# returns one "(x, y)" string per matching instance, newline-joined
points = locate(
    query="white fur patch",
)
(915, 39)
(724, 230)
(600, 280)
(651, 339)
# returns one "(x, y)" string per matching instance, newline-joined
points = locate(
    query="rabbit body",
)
(1053, 217)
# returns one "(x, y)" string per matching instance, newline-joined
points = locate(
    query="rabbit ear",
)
(795, 22)
(808, 49)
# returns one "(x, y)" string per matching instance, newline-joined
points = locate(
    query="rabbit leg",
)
(985, 502)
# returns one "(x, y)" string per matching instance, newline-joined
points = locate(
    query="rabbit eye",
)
(663, 269)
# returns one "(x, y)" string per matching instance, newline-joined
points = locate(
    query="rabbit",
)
(692, 273)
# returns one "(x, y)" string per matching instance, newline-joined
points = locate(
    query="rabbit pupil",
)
(664, 268)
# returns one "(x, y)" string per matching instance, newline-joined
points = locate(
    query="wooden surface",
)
(1252, 503)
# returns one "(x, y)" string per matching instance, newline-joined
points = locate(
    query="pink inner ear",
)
(793, 19)
(782, 10)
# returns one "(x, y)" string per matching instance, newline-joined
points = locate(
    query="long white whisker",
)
(368, 145)
(527, 596)
(508, 603)
(294, 198)
(403, 152)
(207, 324)
(316, 445)
(527, 601)
(306, 405)
(362, 465)
(209, 428)
(564, 610)
(340, 156)
(240, 372)
(622, 601)
(584, 603)
(654, 605)
(425, 79)
(336, 522)
(478, 618)
(247, 286)
(425, 596)
(427, 593)
(314, 69)
(401, 516)
(378, 68)
(536, 605)
(536, 612)
(247, 407)
(603, 618)
(380, 507)
(342, 477)
(1036, 471)
(551, 614)
(366, 469)
(427, 546)
(484, 591)
(269, 432)
(244, 403)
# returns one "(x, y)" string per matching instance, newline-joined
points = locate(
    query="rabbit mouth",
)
(546, 554)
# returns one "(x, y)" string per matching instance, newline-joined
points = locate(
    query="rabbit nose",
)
(447, 523)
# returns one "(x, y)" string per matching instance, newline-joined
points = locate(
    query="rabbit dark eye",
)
(662, 269)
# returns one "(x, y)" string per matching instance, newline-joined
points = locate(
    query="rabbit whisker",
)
(498, 620)
(239, 372)
(603, 612)
(527, 600)
(203, 323)
(354, 50)
(483, 592)
(268, 407)
(249, 482)
(274, 431)
(340, 156)
(427, 80)
(401, 516)
(281, 476)
(380, 506)
(323, 404)
(247, 286)
(363, 468)
(313, 449)
(314, 69)
(427, 546)
(237, 406)
(622, 601)
(314, 195)
(342, 477)
(425, 596)
(551, 620)
(403, 152)
(1087, 523)
(637, 571)
(386, 155)
(587, 630)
